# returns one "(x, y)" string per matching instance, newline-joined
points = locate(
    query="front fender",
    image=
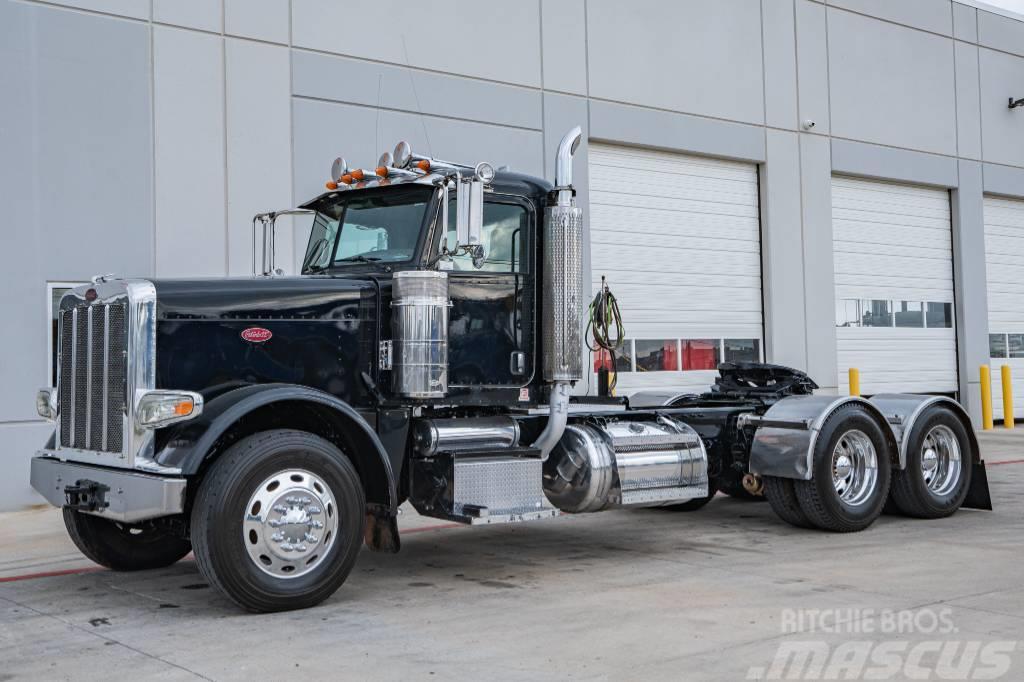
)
(191, 443)
(784, 445)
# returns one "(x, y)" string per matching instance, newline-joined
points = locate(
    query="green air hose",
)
(605, 327)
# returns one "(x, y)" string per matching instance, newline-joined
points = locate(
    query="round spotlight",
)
(485, 172)
(402, 154)
(338, 168)
(384, 160)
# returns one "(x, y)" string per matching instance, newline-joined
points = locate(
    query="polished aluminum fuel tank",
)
(419, 321)
(455, 435)
(626, 463)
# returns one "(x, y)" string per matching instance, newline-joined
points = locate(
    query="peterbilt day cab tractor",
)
(427, 353)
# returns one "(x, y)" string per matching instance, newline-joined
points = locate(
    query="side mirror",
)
(469, 212)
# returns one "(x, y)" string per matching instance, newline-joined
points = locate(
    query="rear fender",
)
(783, 444)
(902, 411)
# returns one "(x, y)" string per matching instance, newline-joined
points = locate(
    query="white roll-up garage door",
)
(1004, 257)
(678, 238)
(894, 286)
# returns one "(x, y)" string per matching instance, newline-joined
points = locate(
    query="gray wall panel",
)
(496, 41)
(887, 163)
(928, 15)
(965, 22)
(1002, 77)
(1001, 33)
(1004, 180)
(782, 272)
(76, 175)
(702, 58)
(356, 81)
(968, 115)
(891, 85)
(564, 27)
(819, 269)
(676, 132)
(969, 284)
(780, 96)
(812, 65)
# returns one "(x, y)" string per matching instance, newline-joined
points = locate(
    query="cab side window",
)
(505, 227)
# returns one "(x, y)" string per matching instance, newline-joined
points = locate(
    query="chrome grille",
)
(92, 376)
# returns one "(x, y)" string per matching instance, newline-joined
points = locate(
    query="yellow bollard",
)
(854, 381)
(986, 397)
(1007, 398)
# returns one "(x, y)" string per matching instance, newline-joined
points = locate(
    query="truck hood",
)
(262, 298)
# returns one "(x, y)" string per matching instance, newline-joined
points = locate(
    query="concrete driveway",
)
(728, 592)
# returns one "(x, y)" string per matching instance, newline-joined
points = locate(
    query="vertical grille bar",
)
(64, 378)
(116, 378)
(97, 370)
(106, 373)
(87, 441)
(81, 378)
(74, 374)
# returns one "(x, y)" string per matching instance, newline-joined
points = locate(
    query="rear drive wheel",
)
(278, 521)
(851, 475)
(781, 495)
(124, 546)
(938, 472)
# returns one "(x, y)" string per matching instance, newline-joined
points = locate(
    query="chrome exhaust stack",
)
(561, 314)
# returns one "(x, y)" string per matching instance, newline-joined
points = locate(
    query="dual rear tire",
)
(853, 477)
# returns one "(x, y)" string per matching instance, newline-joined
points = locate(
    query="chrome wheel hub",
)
(854, 468)
(290, 523)
(941, 460)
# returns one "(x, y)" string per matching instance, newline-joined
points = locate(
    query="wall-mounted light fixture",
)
(1016, 103)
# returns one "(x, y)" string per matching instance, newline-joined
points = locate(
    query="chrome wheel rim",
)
(854, 468)
(941, 460)
(290, 523)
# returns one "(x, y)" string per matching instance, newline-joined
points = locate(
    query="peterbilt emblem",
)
(256, 334)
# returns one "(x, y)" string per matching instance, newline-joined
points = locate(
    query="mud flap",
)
(978, 496)
(381, 533)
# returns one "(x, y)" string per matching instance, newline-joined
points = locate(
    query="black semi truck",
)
(427, 353)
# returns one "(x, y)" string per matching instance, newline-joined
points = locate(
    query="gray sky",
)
(1012, 5)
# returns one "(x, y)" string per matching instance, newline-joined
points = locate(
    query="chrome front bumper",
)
(119, 494)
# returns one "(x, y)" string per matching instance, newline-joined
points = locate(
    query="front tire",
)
(278, 521)
(124, 546)
(852, 472)
(938, 473)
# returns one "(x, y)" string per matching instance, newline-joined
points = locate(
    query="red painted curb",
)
(1005, 461)
(51, 574)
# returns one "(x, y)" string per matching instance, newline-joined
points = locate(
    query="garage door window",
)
(742, 350)
(700, 354)
(940, 315)
(997, 345)
(657, 356)
(909, 314)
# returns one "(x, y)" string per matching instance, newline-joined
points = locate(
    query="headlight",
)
(160, 408)
(46, 403)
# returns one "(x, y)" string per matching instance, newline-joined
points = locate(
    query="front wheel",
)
(124, 546)
(852, 471)
(278, 521)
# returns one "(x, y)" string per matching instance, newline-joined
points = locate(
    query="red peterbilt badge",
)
(256, 334)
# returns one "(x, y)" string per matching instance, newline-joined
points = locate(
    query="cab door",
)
(490, 332)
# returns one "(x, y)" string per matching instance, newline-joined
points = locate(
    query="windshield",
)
(366, 228)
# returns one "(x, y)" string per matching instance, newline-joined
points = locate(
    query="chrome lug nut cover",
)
(290, 523)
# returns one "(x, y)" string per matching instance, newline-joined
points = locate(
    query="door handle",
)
(517, 363)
